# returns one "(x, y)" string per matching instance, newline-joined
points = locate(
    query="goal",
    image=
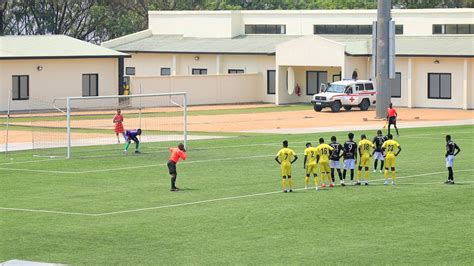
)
(91, 130)
(85, 127)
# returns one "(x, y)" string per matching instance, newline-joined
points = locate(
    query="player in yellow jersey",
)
(310, 164)
(324, 152)
(285, 158)
(365, 152)
(389, 147)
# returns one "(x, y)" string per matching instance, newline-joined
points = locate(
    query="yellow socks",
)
(394, 175)
(290, 183)
(283, 183)
(385, 174)
(316, 181)
(306, 181)
(366, 175)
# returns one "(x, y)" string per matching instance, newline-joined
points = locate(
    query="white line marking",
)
(209, 200)
(243, 196)
(46, 211)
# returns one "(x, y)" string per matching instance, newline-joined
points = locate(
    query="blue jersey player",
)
(132, 135)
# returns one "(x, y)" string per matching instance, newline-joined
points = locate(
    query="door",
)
(314, 79)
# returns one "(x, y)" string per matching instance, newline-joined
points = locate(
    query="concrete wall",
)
(298, 22)
(205, 89)
(58, 78)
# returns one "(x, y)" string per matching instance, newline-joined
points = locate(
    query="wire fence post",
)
(68, 130)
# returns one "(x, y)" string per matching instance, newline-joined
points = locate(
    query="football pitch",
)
(117, 209)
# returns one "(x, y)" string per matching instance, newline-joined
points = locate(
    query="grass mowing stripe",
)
(210, 200)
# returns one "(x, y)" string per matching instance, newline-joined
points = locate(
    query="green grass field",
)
(109, 210)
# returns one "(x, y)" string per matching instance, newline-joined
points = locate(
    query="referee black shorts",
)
(172, 167)
(392, 120)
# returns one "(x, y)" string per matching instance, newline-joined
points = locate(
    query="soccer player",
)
(378, 154)
(118, 121)
(334, 160)
(350, 157)
(285, 157)
(132, 135)
(389, 148)
(310, 164)
(365, 147)
(392, 118)
(176, 154)
(324, 152)
(452, 149)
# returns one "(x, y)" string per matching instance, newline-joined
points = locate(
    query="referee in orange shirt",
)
(392, 118)
(176, 154)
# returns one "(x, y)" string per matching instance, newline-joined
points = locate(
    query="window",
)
(439, 85)
(399, 29)
(350, 29)
(453, 28)
(235, 71)
(396, 85)
(437, 29)
(199, 71)
(165, 71)
(90, 85)
(20, 87)
(130, 71)
(359, 87)
(265, 29)
(369, 86)
(271, 81)
(336, 77)
(314, 79)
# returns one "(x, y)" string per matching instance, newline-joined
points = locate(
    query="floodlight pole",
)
(382, 60)
(68, 122)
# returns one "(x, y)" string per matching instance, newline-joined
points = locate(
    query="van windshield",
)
(336, 88)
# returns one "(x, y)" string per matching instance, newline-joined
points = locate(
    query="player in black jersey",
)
(452, 149)
(334, 160)
(378, 153)
(350, 156)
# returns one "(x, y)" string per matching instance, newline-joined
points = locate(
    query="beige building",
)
(244, 56)
(35, 70)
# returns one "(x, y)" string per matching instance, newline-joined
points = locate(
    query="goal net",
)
(85, 126)
(92, 131)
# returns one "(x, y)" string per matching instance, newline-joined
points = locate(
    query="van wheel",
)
(336, 106)
(364, 105)
(317, 108)
(347, 107)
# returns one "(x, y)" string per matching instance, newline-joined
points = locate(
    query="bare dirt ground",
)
(270, 122)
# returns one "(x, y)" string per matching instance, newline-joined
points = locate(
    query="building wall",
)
(423, 66)
(298, 22)
(58, 78)
(148, 64)
(205, 89)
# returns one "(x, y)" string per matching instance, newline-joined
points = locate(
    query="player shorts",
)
(392, 120)
(349, 163)
(311, 169)
(390, 161)
(172, 167)
(450, 161)
(365, 161)
(378, 156)
(119, 128)
(334, 164)
(286, 169)
(324, 167)
(135, 139)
